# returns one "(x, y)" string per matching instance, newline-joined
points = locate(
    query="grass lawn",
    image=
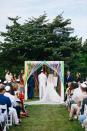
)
(47, 118)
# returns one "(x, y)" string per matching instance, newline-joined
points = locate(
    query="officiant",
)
(31, 86)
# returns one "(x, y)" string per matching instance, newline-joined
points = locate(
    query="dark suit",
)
(5, 100)
(31, 85)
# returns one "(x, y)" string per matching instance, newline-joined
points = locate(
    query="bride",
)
(51, 95)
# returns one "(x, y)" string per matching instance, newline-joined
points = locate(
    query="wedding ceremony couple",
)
(47, 91)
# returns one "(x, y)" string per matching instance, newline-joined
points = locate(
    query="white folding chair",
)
(4, 115)
(7, 116)
(9, 120)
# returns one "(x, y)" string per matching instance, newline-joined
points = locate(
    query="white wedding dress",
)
(51, 95)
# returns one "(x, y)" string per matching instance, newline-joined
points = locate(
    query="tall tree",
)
(39, 39)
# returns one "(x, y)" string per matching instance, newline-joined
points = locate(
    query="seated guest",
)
(20, 100)
(5, 100)
(78, 77)
(77, 92)
(83, 116)
(11, 97)
(8, 76)
(75, 108)
(14, 88)
(21, 78)
(69, 93)
(13, 100)
(68, 79)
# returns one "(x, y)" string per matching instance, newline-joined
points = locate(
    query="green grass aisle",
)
(47, 118)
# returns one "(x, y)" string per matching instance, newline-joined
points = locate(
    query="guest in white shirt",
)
(12, 97)
(15, 106)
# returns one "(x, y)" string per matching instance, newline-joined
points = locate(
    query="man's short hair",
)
(2, 87)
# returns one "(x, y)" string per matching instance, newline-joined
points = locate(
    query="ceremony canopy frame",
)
(57, 66)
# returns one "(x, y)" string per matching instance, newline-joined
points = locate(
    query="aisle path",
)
(41, 103)
(47, 118)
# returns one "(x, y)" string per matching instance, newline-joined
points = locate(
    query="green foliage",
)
(39, 39)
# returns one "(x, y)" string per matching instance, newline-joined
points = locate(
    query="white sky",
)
(76, 10)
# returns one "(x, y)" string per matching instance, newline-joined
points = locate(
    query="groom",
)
(42, 78)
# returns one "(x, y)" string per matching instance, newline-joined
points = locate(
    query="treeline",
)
(40, 39)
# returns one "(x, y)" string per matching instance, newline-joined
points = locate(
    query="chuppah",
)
(48, 80)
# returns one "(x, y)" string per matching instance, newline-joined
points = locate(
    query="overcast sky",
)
(76, 10)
